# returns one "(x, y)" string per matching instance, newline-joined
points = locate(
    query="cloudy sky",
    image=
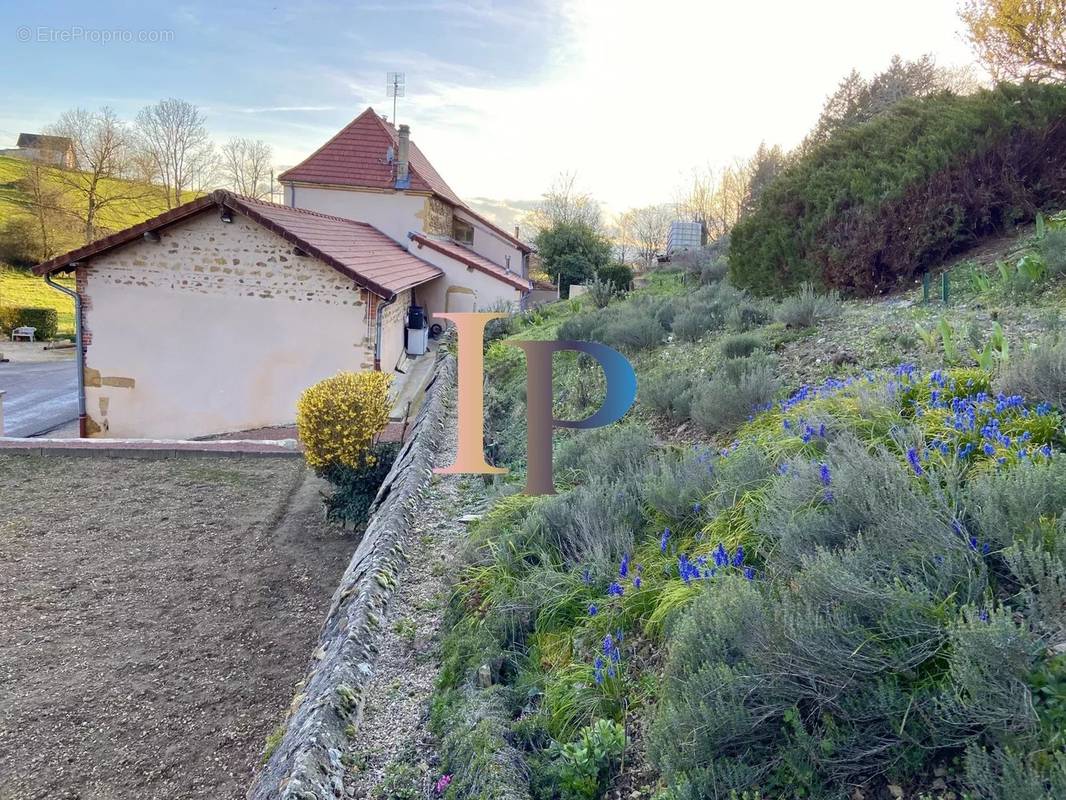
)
(501, 96)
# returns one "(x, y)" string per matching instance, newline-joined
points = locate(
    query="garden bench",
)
(25, 332)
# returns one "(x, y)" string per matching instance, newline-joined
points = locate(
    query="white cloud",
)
(638, 94)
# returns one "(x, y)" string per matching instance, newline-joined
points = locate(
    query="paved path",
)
(40, 396)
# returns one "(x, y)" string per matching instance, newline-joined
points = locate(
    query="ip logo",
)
(470, 458)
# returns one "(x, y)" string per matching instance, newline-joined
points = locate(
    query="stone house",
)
(216, 315)
(372, 171)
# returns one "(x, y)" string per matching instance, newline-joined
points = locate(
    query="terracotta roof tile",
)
(471, 259)
(356, 156)
(355, 249)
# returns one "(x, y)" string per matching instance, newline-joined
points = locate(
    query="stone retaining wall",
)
(327, 711)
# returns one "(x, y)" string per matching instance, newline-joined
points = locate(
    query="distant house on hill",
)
(214, 316)
(56, 151)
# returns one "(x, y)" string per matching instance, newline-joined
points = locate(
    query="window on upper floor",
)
(462, 231)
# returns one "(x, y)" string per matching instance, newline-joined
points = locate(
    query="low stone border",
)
(151, 448)
(327, 711)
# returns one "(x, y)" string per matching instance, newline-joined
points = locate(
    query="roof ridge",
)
(333, 138)
(355, 164)
(299, 232)
(470, 257)
(246, 199)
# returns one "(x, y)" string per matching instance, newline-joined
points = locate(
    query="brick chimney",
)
(403, 179)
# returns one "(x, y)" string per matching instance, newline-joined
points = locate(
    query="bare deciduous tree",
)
(102, 146)
(564, 204)
(245, 167)
(719, 198)
(622, 236)
(716, 198)
(46, 201)
(651, 225)
(174, 136)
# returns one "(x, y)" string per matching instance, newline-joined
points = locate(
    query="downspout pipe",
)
(82, 417)
(377, 340)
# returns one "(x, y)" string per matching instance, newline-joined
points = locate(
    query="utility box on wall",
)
(417, 331)
(417, 341)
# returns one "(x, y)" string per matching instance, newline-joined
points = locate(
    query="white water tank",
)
(684, 236)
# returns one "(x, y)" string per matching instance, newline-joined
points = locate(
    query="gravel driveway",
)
(154, 618)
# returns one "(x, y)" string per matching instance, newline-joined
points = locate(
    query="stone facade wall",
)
(217, 327)
(437, 217)
(207, 256)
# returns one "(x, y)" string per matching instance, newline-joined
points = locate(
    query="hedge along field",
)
(865, 588)
(20, 289)
(881, 203)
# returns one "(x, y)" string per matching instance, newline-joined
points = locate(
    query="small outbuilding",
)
(56, 151)
(214, 316)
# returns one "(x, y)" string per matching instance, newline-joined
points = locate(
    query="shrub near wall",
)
(338, 421)
(883, 202)
(45, 320)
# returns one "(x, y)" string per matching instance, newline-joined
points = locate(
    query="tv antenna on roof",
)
(394, 87)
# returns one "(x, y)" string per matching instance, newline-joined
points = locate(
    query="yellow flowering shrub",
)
(339, 418)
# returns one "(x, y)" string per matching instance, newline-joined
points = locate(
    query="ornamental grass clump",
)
(633, 328)
(677, 483)
(714, 271)
(338, 419)
(741, 345)
(594, 523)
(1038, 374)
(1053, 250)
(808, 307)
(601, 292)
(724, 402)
(603, 452)
(666, 392)
(745, 315)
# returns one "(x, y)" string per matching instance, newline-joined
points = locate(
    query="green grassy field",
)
(21, 288)
(117, 217)
(24, 289)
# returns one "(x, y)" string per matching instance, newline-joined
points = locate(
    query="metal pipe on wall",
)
(78, 346)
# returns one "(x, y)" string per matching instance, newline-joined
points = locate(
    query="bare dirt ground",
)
(154, 618)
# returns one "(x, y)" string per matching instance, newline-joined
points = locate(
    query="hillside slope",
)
(14, 201)
(18, 287)
(821, 558)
